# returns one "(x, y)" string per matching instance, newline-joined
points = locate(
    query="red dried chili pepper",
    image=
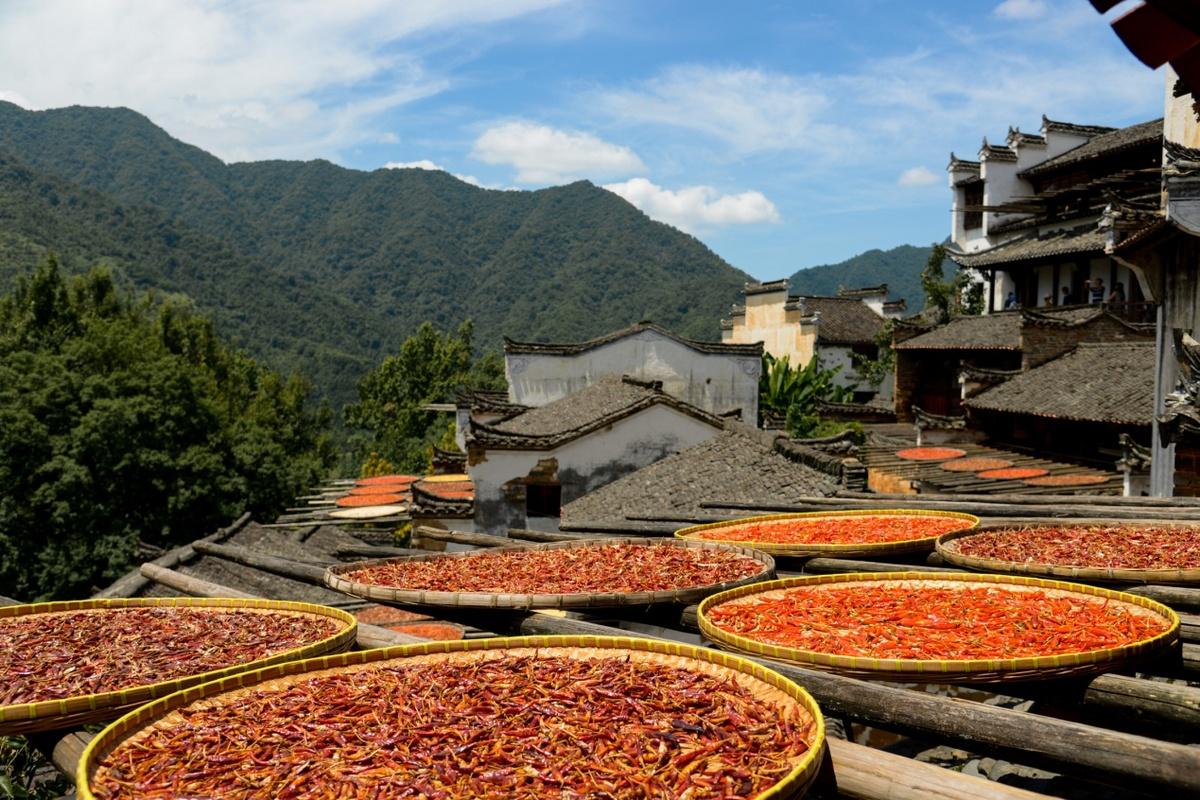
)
(1100, 546)
(52, 656)
(498, 727)
(607, 568)
(910, 620)
(864, 529)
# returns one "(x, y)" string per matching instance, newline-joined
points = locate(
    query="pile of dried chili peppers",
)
(909, 620)
(606, 568)
(53, 656)
(865, 529)
(516, 726)
(1101, 546)
(930, 453)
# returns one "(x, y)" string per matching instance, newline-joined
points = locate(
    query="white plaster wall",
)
(715, 382)
(585, 464)
(836, 355)
(1000, 185)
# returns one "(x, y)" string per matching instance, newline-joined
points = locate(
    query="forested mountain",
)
(900, 268)
(309, 264)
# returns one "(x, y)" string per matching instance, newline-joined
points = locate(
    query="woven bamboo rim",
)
(697, 533)
(1101, 574)
(759, 679)
(948, 671)
(454, 477)
(79, 710)
(505, 600)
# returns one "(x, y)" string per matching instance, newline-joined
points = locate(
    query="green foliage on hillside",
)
(900, 268)
(126, 420)
(307, 263)
(430, 367)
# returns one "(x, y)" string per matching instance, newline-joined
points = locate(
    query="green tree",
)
(430, 367)
(875, 370)
(948, 298)
(792, 393)
(129, 420)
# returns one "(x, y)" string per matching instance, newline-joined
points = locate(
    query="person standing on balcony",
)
(1117, 295)
(1097, 295)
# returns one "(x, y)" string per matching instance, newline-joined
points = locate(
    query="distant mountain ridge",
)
(900, 268)
(327, 269)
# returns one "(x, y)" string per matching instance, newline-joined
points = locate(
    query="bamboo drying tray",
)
(502, 600)
(761, 681)
(72, 712)
(704, 533)
(949, 671)
(1097, 574)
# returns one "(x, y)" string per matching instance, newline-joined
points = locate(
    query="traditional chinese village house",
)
(1075, 407)
(1028, 215)
(718, 377)
(739, 465)
(830, 328)
(525, 467)
(936, 368)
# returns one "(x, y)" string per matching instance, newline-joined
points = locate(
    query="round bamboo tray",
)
(72, 712)
(368, 512)
(949, 671)
(1178, 577)
(763, 682)
(502, 600)
(703, 533)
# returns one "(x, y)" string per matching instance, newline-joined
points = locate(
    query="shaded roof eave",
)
(512, 347)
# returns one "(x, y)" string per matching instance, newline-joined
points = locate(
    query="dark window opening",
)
(973, 199)
(543, 500)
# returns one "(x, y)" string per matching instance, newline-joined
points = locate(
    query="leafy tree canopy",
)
(126, 419)
(430, 367)
(791, 393)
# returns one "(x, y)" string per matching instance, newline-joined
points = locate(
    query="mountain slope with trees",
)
(900, 268)
(356, 260)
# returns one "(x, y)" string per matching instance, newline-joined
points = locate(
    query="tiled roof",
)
(780, 285)
(998, 331)
(863, 291)
(319, 547)
(1101, 144)
(1059, 243)
(1071, 127)
(961, 163)
(609, 399)
(996, 152)
(1095, 382)
(735, 466)
(520, 348)
(844, 320)
(486, 401)
(454, 499)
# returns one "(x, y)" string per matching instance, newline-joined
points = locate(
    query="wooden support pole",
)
(372, 551)
(1177, 597)
(273, 564)
(1192, 503)
(1027, 738)
(835, 566)
(546, 536)
(865, 773)
(134, 581)
(462, 537)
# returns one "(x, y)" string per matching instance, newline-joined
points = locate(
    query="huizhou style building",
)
(800, 327)
(717, 377)
(1028, 216)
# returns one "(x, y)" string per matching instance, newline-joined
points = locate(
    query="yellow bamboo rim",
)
(949, 670)
(705, 533)
(45, 715)
(445, 478)
(791, 785)
(334, 578)
(1102, 574)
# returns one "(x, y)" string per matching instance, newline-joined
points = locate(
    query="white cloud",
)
(696, 207)
(917, 176)
(749, 109)
(1021, 9)
(424, 163)
(542, 154)
(389, 137)
(275, 78)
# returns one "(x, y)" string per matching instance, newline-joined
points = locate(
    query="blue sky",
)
(782, 134)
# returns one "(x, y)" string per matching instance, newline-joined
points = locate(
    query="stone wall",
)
(1041, 342)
